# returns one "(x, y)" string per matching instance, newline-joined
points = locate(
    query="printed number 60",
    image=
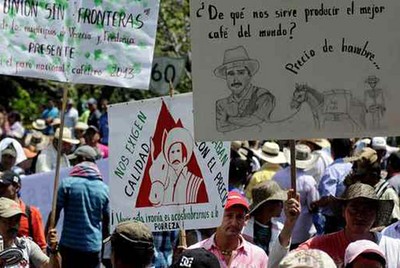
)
(169, 73)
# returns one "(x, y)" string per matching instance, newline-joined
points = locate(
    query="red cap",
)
(235, 198)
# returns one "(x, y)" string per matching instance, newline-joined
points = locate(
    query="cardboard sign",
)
(286, 70)
(158, 173)
(166, 69)
(91, 42)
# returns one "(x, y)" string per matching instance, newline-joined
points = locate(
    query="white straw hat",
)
(66, 136)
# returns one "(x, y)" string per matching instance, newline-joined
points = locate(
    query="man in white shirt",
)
(47, 159)
(71, 115)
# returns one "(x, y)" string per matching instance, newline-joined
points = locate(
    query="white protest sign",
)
(294, 69)
(37, 189)
(82, 41)
(164, 70)
(158, 173)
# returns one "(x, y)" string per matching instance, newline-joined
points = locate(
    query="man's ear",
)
(17, 187)
(246, 219)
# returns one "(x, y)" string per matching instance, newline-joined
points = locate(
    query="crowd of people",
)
(345, 211)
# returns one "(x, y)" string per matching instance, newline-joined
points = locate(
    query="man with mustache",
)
(227, 244)
(248, 105)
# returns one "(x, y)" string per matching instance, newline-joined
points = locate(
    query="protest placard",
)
(82, 41)
(158, 173)
(164, 71)
(294, 69)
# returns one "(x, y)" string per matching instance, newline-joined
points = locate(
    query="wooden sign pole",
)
(292, 145)
(59, 146)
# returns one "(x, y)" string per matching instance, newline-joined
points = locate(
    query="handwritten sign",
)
(284, 69)
(158, 173)
(82, 41)
(164, 71)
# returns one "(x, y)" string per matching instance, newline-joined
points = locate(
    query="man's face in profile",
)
(237, 79)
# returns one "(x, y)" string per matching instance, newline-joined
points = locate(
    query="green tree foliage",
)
(28, 95)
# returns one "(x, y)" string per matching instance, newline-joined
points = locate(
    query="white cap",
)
(358, 247)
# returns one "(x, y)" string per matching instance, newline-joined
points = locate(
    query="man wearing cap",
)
(84, 197)
(32, 224)
(364, 253)
(48, 115)
(196, 258)
(248, 105)
(227, 243)
(8, 158)
(131, 245)
(272, 157)
(94, 114)
(262, 228)
(47, 159)
(307, 188)
(22, 251)
(13, 155)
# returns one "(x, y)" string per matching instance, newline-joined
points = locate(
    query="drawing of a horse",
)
(316, 100)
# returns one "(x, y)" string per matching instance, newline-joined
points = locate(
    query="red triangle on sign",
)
(170, 178)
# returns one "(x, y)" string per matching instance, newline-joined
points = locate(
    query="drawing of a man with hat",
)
(374, 102)
(248, 105)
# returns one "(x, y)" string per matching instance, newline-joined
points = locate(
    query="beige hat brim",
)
(12, 212)
(69, 140)
(279, 159)
(384, 211)
(301, 164)
(36, 126)
(279, 196)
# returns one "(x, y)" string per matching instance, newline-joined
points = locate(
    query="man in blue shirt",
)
(331, 183)
(84, 197)
(48, 115)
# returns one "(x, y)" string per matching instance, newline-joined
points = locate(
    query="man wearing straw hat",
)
(248, 105)
(319, 147)
(262, 228)
(362, 210)
(307, 188)
(273, 157)
(46, 160)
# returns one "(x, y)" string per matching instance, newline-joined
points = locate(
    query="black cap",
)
(196, 258)
(9, 177)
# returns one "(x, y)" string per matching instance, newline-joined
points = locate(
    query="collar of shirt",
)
(397, 226)
(246, 95)
(338, 160)
(210, 244)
